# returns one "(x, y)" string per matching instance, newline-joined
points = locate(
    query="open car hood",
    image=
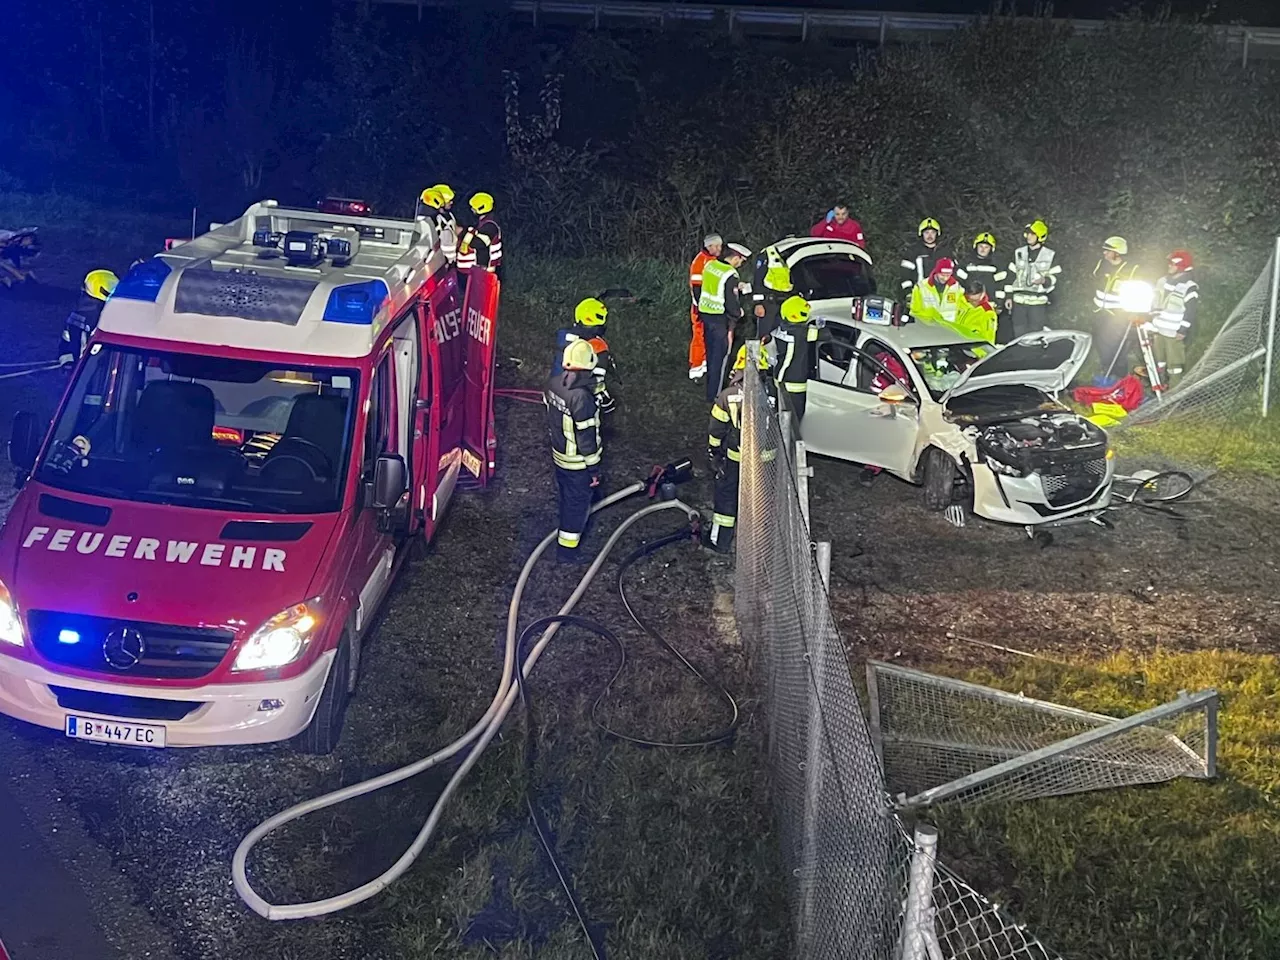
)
(1047, 360)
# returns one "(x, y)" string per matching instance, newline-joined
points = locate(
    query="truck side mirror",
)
(24, 441)
(390, 481)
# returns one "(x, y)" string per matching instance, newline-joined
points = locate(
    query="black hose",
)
(540, 824)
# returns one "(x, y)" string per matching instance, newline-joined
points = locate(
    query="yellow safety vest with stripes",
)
(716, 277)
(794, 355)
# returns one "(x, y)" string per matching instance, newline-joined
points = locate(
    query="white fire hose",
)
(477, 739)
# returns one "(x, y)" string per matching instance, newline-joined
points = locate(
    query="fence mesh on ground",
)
(947, 739)
(848, 856)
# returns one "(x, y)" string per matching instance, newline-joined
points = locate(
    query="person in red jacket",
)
(839, 226)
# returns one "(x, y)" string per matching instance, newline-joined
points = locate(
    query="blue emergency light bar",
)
(356, 302)
(144, 281)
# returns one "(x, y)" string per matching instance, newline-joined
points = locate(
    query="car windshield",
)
(832, 276)
(941, 367)
(208, 432)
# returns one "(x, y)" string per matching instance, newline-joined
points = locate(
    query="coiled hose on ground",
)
(474, 741)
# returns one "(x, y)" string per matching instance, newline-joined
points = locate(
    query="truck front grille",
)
(154, 650)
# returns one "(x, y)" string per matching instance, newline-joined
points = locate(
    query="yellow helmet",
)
(591, 312)
(1039, 228)
(740, 361)
(1116, 245)
(578, 355)
(928, 223)
(432, 198)
(445, 191)
(985, 237)
(777, 275)
(795, 310)
(481, 203)
(100, 284)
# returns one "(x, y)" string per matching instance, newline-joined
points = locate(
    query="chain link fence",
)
(862, 887)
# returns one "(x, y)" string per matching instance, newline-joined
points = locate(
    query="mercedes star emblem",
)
(124, 648)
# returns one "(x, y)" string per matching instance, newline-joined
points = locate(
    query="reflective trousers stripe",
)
(566, 539)
(723, 520)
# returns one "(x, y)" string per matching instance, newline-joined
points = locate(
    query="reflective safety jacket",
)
(573, 420)
(931, 302)
(794, 345)
(720, 291)
(976, 321)
(695, 275)
(604, 362)
(770, 285)
(78, 328)
(1107, 279)
(725, 434)
(481, 246)
(918, 263)
(1032, 276)
(1177, 302)
(447, 230)
(986, 270)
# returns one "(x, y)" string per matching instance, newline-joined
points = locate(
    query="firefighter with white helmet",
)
(794, 341)
(1177, 302)
(573, 427)
(79, 326)
(720, 308)
(1033, 275)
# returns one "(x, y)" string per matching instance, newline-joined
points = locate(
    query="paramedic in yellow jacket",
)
(976, 319)
(937, 298)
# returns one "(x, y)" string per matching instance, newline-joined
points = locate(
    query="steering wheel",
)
(285, 442)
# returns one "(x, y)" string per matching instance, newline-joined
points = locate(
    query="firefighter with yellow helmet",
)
(724, 450)
(1112, 321)
(918, 262)
(480, 247)
(770, 285)
(590, 319)
(439, 202)
(794, 342)
(79, 326)
(573, 428)
(1033, 275)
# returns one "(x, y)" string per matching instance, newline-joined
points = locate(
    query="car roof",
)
(909, 336)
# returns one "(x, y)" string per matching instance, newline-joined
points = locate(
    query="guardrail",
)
(807, 23)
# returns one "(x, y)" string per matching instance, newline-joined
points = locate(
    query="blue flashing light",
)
(144, 281)
(68, 636)
(356, 302)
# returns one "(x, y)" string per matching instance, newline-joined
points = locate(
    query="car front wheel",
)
(940, 475)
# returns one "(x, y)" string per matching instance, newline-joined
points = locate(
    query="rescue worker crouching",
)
(712, 245)
(724, 450)
(720, 307)
(439, 201)
(573, 426)
(770, 285)
(976, 318)
(480, 247)
(79, 326)
(1173, 321)
(1112, 323)
(589, 320)
(918, 263)
(1033, 275)
(937, 298)
(794, 342)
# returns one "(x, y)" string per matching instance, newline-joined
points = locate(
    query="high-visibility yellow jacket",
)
(976, 321)
(930, 303)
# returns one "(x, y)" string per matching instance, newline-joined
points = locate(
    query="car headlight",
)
(280, 640)
(10, 622)
(997, 466)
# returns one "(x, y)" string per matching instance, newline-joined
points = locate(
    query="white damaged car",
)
(972, 423)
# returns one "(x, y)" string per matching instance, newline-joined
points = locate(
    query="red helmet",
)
(1181, 259)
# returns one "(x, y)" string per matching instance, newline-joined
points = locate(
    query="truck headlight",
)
(10, 622)
(280, 640)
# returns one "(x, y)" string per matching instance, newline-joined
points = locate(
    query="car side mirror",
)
(894, 393)
(24, 441)
(390, 481)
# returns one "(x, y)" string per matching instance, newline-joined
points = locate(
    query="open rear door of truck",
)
(479, 441)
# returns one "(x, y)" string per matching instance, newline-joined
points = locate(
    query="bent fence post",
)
(917, 927)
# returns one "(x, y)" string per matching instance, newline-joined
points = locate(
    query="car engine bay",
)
(1040, 441)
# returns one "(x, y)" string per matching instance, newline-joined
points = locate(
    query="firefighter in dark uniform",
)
(794, 341)
(480, 247)
(589, 320)
(724, 450)
(918, 262)
(770, 285)
(79, 326)
(573, 426)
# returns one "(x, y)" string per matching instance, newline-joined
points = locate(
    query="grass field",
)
(1185, 869)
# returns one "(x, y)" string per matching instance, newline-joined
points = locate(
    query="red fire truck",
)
(265, 421)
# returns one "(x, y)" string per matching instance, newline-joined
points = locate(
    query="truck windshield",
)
(208, 432)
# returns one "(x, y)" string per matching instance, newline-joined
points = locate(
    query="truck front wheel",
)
(326, 725)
